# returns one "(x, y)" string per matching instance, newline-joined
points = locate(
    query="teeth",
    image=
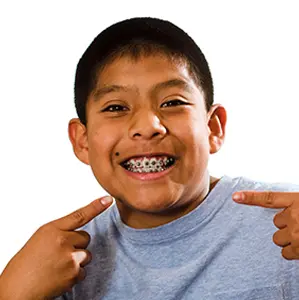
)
(153, 162)
(148, 165)
(146, 170)
(145, 163)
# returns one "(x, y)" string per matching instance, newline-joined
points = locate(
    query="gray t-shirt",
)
(220, 250)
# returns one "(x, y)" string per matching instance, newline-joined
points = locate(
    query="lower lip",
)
(149, 176)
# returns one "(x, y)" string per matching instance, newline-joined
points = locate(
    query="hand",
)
(287, 221)
(52, 260)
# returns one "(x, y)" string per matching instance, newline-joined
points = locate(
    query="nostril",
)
(136, 134)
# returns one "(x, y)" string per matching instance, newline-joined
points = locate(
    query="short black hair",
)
(136, 37)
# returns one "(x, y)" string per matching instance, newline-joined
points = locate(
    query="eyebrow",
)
(176, 82)
(101, 92)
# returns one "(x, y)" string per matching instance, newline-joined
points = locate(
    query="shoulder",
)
(250, 214)
(102, 225)
(245, 183)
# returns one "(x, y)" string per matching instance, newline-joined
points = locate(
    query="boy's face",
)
(147, 106)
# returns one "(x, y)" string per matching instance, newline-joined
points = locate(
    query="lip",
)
(149, 176)
(148, 155)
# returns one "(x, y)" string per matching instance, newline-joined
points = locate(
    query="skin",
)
(287, 220)
(145, 121)
(53, 259)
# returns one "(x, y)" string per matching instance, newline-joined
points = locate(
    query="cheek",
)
(193, 133)
(99, 151)
(195, 138)
(100, 145)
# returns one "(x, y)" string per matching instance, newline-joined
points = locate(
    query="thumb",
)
(83, 215)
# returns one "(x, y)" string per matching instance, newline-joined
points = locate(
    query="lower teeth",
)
(146, 171)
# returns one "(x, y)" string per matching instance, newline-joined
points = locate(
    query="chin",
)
(147, 206)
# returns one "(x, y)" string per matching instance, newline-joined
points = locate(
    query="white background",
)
(253, 51)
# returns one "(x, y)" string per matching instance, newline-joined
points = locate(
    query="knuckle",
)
(62, 240)
(276, 220)
(269, 198)
(275, 238)
(249, 198)
(47, 231)
(88, 240)
(86, 235)
(81, 257)
(285, 254)
(45, 228)
(78, 217)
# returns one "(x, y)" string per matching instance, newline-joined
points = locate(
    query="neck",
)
(143, 220)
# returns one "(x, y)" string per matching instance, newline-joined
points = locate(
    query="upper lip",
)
(149, 154)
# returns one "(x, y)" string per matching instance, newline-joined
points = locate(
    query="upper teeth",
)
(148, 163)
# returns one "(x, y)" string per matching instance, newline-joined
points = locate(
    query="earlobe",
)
(216, 122)
(78, 137)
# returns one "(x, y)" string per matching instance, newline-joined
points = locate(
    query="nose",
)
(146, 125)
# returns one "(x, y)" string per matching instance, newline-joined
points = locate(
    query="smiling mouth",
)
(149, 164)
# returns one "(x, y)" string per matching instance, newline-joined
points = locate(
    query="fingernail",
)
(106, 200)
(239, 197)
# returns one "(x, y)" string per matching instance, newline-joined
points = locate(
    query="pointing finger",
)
(83, 215)
(266, 199)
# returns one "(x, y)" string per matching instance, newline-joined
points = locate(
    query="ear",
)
(78, 137)
(216, 123)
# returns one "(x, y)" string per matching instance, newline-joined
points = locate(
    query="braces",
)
(156, 165)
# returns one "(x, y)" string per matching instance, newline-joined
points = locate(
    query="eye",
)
(175, 102)
(115, 108)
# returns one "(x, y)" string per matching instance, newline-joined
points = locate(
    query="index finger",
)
(268, 199)
(83, 215)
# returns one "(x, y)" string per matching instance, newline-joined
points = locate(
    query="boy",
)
(147, 125)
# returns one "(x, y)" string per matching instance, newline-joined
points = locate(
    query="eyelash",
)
(117, 105)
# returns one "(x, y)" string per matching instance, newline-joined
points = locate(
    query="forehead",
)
(144, 71)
